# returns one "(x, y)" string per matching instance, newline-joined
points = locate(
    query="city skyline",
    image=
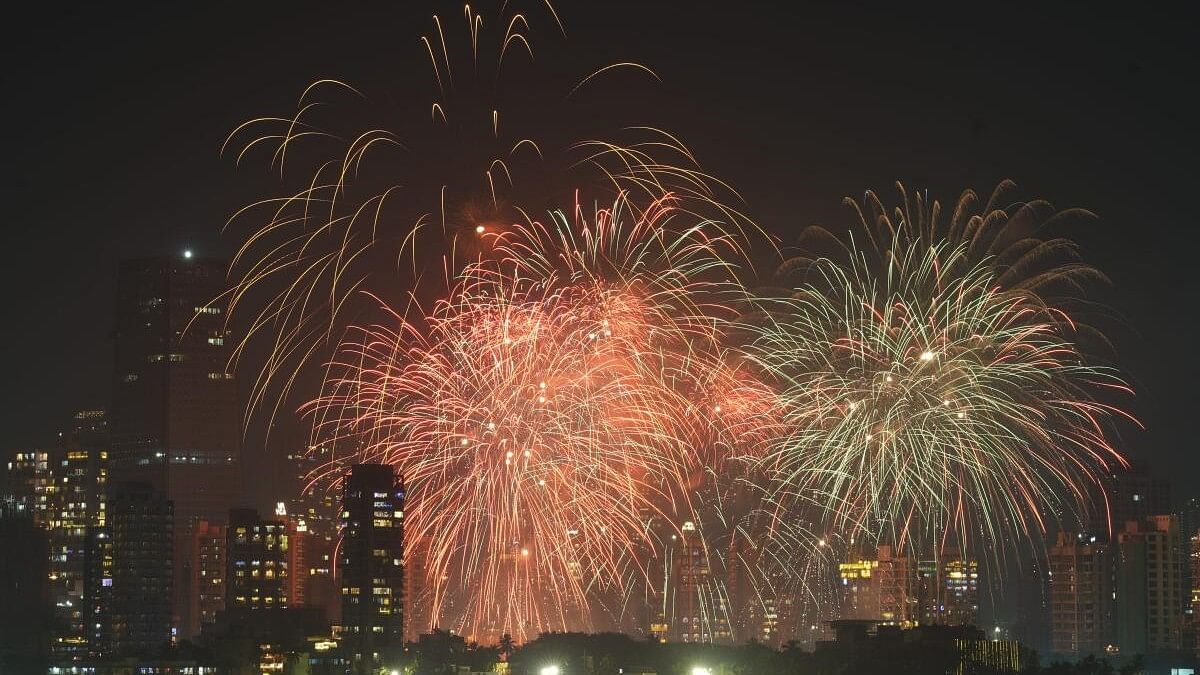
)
(467, 339)
(976, 145)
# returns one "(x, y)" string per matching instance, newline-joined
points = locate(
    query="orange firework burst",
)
(540, 414)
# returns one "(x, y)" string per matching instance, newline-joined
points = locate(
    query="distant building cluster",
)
(134, 542)
(1134, 589)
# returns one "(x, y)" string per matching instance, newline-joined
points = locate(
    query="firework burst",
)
(540, 415)
(927, 402)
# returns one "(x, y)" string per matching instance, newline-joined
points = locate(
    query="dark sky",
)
(114, 118)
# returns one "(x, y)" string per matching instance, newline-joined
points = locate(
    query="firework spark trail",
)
(365, 198)
(928, 401)
(645, 286)
(540, 415)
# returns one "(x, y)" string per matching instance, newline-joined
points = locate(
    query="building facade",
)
(1149, 586)
(372, 571)
(259, 562)
(1081, 590)
(205, 573)
(175, 419)
(142, 523)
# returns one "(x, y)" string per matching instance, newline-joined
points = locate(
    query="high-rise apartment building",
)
(142, 521)
(1081, 595)
(205, 573)
(947, 590)
(698, 614)
(859, 587)
(175, 418)
(28, 485)
(1194, 594)
(98, 569)
(896, 578)
(314, 516)
(960, 591)
(1149, 585)
(25, 616)
(1189, 530)
(259, 562)
(372, 571)
(78, 475)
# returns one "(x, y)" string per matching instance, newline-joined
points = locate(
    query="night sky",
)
(114, 120)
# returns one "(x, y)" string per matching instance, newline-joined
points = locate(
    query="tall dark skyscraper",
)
(372, 566)
(175, 418)
(25, 617)
(141, 523)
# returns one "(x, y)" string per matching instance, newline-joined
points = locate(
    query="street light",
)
(549, 670)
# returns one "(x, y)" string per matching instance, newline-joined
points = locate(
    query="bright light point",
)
(717, 408)
(700, 670)
(187, 253)
(395, 672)
(541, 385)
(528, 453)
(463, 442)
(926, 355)
(549, 670)
(821, 543)
(479, 229)
(541, 399)
(524, 551)
(946, 402)
(508, 454)
(491, 425)
(542, 482)
(962, 415)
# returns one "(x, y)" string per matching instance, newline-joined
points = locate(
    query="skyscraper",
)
(372, 629)
(947, 590)
(24, 593)
(142, 571)
(314, 514)
(98, 569)
(1194, 592)
(259, 574)
(859, 589)
(897, 581)
(205, 573)
(1081, 602)
(77, 501)
(1149, 585)
(700, 614)
(175, 418)
(960, 591)
(28, 484)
